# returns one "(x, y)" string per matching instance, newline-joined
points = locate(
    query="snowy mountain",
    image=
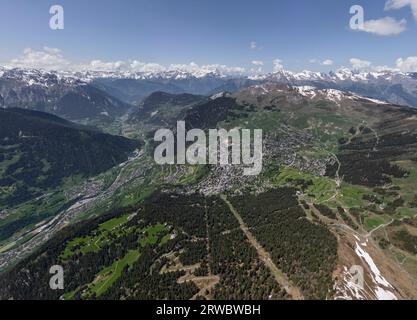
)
(395, 87)
(63, 95)
(132, 87)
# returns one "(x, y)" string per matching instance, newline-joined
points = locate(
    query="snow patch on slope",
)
(333, 95)
(383, 287)
(347, 289)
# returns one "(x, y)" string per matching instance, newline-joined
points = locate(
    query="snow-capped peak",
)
(332, 94)
(390, 85)
(39, 77)
(283, 76)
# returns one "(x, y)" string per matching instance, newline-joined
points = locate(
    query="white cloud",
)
(278, 66)
(383, 68)
(384, 27)
(53, 59)
(191, 67)
(223, 69)
(398, 4)
(138, 66)
(327, 62)
(99, 65)
(196, 69)
(358, 64)
(111, 66)
(255, 46)
(366, 66)
(48, 59)
(258, 66)
(407, 65)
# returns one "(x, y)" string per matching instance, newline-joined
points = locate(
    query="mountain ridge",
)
(40, 149)
(132, 87)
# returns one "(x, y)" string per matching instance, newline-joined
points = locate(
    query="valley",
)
(336, 191)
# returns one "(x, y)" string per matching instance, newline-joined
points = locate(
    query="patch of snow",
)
(376, 101)
(333, 95)
(379, 280)
(217, 95)
(306, 91)
(383, 294)
(347, 289)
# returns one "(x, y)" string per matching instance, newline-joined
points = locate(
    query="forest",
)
(162, 238)
(306, 252)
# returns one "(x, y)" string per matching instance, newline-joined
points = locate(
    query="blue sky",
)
(207, 32)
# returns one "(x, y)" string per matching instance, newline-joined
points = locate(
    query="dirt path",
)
(208, 239)
(280, 277)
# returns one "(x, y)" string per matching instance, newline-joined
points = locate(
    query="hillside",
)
(67, 97)
(161, 108)
(39, 150)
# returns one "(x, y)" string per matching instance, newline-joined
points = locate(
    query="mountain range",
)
(95, 94)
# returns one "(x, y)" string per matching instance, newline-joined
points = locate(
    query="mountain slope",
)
(133, 91)
(67, 97)
(39, 150)
(161, 108)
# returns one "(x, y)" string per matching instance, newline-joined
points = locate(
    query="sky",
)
(235, 35)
